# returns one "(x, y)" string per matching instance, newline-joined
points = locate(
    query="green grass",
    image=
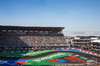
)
(27, 53)
(43, 60)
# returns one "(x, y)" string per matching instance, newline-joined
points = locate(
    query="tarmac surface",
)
(92, 57)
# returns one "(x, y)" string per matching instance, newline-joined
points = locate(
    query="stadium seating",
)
(30, 41)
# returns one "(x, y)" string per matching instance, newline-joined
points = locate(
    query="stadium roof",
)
(96, 41)
(54, 29)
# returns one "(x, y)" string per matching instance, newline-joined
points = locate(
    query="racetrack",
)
(48, 53)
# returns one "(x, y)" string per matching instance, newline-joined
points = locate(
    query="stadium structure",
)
(36, 46)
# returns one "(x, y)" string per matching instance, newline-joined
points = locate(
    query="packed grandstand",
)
(35, 46)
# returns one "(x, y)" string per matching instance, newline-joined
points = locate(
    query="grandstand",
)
(31, 38)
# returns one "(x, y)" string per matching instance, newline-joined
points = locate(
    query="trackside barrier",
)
(76, 50)
(67, 49)
(12, 51)
(4, 51)
(18, 51)
(89, 52)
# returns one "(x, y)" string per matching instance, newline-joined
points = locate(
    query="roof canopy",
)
(95, 41)
(53, 29)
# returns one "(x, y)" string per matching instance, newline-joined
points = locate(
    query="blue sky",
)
(74, 15)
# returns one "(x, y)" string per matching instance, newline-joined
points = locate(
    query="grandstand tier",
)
(31, 38)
